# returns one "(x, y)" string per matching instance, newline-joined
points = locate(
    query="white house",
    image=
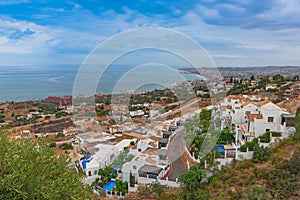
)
(250, 117)
(152, 162)
(271, 86)
(104, 156)
(264, 116)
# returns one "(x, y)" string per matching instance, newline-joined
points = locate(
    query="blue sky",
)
(234, 32)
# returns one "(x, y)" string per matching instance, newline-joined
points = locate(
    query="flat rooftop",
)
(150, 169)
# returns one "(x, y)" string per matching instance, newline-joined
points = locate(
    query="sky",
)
(233, 32)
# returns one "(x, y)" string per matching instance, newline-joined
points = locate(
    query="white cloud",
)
(8, 2)
(25, 44)
(282, 14)
(208, 12)
(235, 46)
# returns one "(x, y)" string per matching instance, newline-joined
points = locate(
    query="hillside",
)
(276, 178)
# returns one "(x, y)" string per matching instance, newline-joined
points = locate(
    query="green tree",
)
(192, 178)
(131, 180)
(30, 170)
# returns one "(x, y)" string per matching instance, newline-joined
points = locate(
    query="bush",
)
(276, 134)
(144, 191)
(266, 137)
(53, 144)
(261, 154)
(251, 145)
(256, 192)
(243, 148)
(158, 188)
(66, 146)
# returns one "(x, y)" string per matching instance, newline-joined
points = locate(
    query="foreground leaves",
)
(30, 170)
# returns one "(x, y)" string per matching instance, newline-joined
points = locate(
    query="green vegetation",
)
(60, 114)
(256, 192)
(144, 190)
(276, 134)
(192, 178)
(239, 88)
(131, 180)
(106, 174)
(121, 186)
(260, 154)
(154, 190)
(66, 146)
(53, 144)
(2, 118)
(121, 159)
(251, 145)
(226, 137)
(46, 108)
(195, 131)
(28, 171)
(263, 177)
(266, 137)
(158, 188)
(205, 117)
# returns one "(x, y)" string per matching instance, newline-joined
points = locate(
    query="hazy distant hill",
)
(247, 72)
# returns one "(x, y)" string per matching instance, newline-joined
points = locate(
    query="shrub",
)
(243, 148)
(144, 191)
(261, 154)
(158, 188)
(256, 192)
(276, 134)
(266, 137)
(66, 146)
(53, 144)
(213, 182)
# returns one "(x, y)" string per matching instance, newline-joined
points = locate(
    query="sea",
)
(21, 83)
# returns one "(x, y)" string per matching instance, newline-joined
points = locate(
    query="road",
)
(176, 150)
(184, 108)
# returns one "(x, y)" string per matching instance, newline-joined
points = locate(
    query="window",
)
(270, 119)
(267, 130)
(134, 167)
(139, 150)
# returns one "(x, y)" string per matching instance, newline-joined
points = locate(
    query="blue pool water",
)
(220, 149)
(110, 185)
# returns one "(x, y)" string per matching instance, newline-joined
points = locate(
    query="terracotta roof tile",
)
(152, 137)
(262, 103)
(150, 160)
(252, 116)
(152, 144)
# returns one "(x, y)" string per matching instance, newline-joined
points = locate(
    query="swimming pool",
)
(221, 149)
(110, 185)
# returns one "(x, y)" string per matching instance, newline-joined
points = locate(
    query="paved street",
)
(176, 150)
